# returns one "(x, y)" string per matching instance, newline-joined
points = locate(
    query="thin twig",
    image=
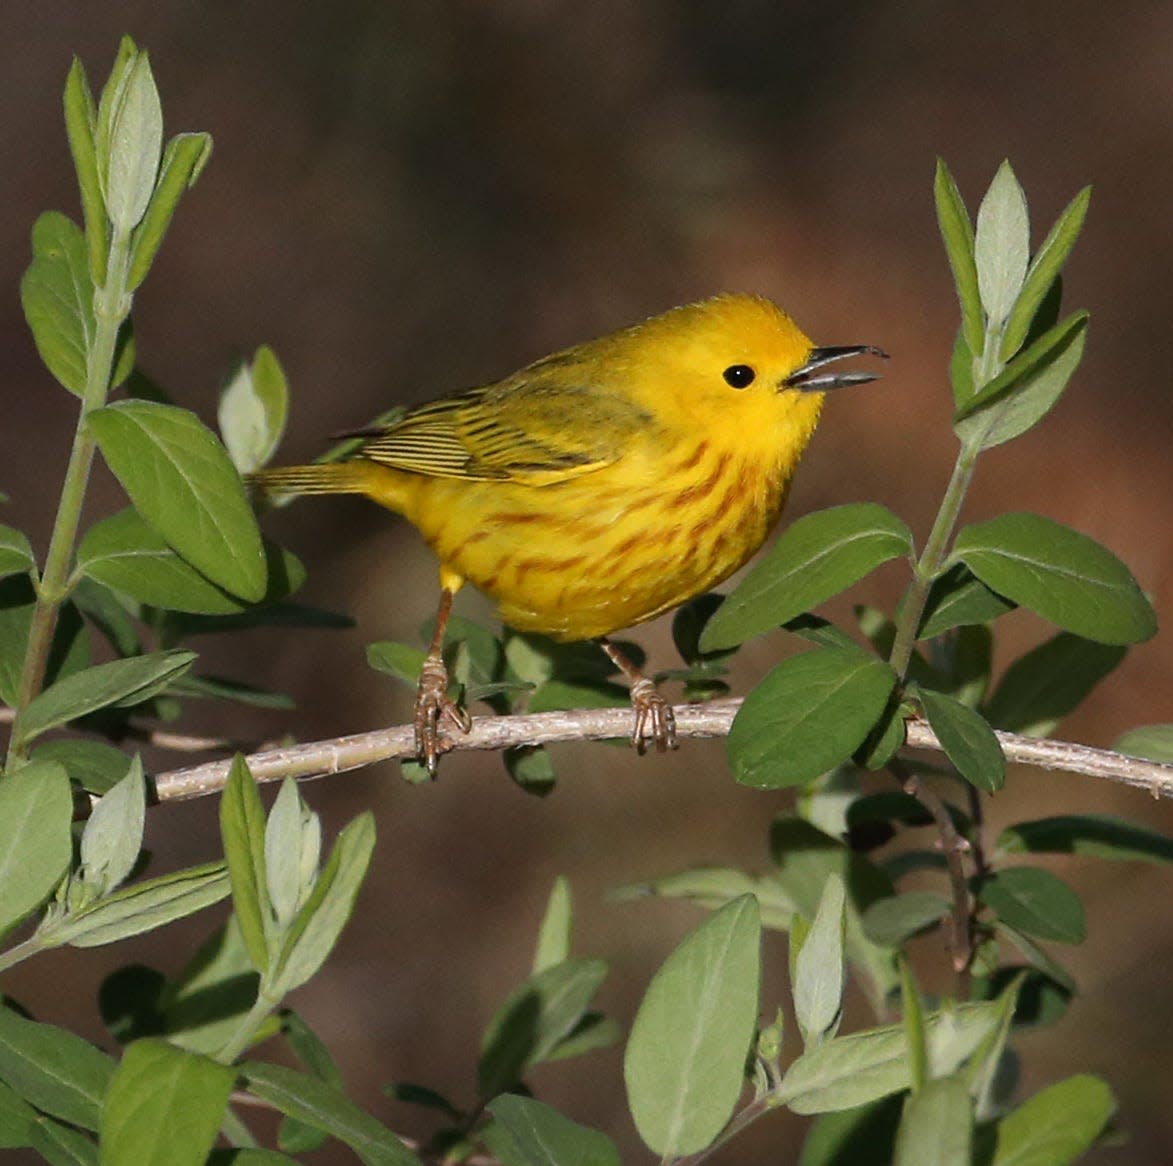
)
(322, 758)
(953, 846)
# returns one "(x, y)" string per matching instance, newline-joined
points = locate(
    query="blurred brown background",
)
(408, 197)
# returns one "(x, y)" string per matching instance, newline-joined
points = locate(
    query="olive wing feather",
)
(533, 429)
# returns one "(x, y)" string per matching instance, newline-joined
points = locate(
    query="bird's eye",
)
(739, 375)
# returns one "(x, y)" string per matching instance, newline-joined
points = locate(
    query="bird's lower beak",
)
(804, 378)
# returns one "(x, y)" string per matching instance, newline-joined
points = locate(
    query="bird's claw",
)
(433, 706)
(654, 719)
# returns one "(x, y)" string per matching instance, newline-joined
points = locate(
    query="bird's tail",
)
(327, 478)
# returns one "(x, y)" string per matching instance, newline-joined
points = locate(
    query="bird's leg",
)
(432, 702)
(653, 714)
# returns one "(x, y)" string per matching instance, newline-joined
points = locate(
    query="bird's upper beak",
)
(804, 378)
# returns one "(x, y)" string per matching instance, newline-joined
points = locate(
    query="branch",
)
(323, 758)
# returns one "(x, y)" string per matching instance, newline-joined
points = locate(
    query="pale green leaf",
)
(685, 1059)
(113, 835)
(319, 1104)
(1001, 245)
(553, 946)
(57, 295)
(36, 812)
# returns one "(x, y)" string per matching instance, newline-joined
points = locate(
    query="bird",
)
(600, 486)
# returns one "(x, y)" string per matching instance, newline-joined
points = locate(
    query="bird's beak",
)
(804, 378)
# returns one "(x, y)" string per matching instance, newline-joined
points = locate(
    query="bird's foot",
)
(654, 720)
(433, 706)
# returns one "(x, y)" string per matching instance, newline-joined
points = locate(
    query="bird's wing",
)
(530, 428)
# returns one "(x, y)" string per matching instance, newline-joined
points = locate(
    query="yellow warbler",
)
(602, 485)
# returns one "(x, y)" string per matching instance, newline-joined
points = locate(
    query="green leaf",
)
(120, 683)
(16, 555)
(1062, 575)
(913, 1023)
(111, 614)
(1037, 957)
(853, 1070)
(474, 653)
(180, 480)
(93, 765)
(320, 921)
(862, 1136)
(113, 836)
(36, 813)
(1039, 689)
(1056, 1125)
(1026, 390)
(807, 715)
(142, 907)
(937, 1126)
(816, 630)
(252, 412)
(309, 1048)
(820, 969)
(957, 234)
(958, 599)
(1094, 835)
(988, 1062)
(275, 615)
(885, 738)
(399, 660)
(295, 1135)
(593, 1031)
(53, 1069)
(1037, 902)
(1044, 270)
(532, 768)
(164, 1107)
(57, 295)
(685, 1059)
(184, 160)
(528, 1133)
(961, 369)
(963, 664)
(203, 1006)
(967, 739)
(310, 1100)
(527, 1028)
(17, 1119)
(553, 946)
(893, 806)
(1001, 245)
(713, 887)
(815, 558)
(68, 653)
(242, 827)
(890, 922)
(80, 125)
(1154, 742)
(557, 694)
(125, 554)
(805, 858)
(250, 1157)
(133, 145)
(222, 688)
(62, 1145)
(293, 848)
